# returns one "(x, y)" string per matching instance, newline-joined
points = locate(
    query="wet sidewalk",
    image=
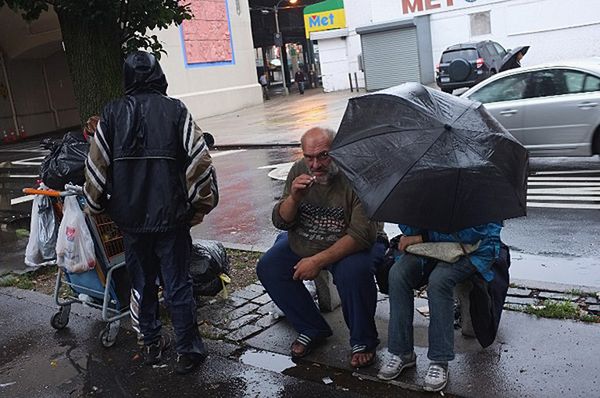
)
(531, 357)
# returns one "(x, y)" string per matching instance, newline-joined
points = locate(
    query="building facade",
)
(390, 42)
(209, 65)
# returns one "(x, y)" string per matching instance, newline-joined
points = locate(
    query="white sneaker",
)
(395, 365)
(436, 378)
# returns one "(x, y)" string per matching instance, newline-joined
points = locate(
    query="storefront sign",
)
(326, 15)
(419, 7)
(412, 6)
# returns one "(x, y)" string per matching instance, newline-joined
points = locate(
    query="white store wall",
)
(214, 89)
(554, 29)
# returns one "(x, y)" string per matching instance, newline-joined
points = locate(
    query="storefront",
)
(389, 42)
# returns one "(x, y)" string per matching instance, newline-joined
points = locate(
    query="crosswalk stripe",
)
(564, 205)
(564, 198)
(563, 184)
(568, 189)
(564, 178)
(565, 172)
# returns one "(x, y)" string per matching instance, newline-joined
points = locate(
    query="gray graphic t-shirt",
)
(326, 213)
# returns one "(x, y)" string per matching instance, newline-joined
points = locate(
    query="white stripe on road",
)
(24, 150)
(564, 178)
(29, 161)
(21, 199)
(565, 172)
(565, 198)
(24, 176)
(566, 191)
(565, 184)
(564, 205)
(224, 153)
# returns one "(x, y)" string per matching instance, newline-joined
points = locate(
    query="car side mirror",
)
(209, 139)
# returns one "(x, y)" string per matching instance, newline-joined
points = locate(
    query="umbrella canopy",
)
(421, 157)
(510, 60)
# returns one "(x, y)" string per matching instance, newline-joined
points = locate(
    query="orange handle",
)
(33, 191)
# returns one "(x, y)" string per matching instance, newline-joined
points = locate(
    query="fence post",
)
(350, 79)
(356, 82)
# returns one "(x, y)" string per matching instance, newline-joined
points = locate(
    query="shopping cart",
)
(106, 286)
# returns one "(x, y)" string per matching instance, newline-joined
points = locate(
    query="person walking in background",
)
(150, 168)
(326, 230)
(299, 78)
(264, 83)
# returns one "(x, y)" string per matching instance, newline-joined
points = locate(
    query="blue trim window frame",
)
(209, 64)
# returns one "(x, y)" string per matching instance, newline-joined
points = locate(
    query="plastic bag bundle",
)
(209, 267)
(74, 245)
(66, 162)
(41, 247)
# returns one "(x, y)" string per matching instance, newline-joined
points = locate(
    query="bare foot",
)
(362, 359)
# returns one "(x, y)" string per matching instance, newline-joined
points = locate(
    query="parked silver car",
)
(552, 109)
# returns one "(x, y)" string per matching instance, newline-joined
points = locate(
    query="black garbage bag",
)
(208, 261)
(66, 161)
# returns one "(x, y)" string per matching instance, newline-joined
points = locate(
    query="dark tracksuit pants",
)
(167, 253)
(353, 277)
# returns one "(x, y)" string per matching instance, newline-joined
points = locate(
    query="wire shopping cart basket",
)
(105, 287)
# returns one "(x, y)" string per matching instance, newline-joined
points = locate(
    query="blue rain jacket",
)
(483, 257)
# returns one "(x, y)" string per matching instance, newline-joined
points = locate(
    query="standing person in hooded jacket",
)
(150, 168)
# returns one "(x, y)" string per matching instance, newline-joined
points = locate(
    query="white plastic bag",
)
(42, 234)
(74, 246)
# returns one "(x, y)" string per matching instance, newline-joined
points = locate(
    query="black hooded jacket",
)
(149, 165)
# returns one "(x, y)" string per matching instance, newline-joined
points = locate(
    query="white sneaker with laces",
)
(395, 365)
(436, 377)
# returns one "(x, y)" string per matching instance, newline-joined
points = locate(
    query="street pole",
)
(281, 48)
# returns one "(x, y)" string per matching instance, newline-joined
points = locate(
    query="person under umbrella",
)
(513, 59)
(446, 171)
(411, 272)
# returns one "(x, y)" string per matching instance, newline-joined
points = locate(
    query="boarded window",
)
(480, 24)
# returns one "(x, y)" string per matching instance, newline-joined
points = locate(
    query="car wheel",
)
(459, 70)
(492, 72)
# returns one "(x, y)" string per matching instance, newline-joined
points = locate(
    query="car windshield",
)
(465, 53)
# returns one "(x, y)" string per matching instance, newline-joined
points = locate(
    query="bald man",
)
(326, 229)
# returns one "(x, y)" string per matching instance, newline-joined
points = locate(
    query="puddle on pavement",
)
(267, 360)
(584, 271)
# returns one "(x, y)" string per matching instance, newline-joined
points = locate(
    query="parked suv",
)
(466, 64)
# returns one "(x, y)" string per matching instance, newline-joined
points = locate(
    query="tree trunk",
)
(95, 60)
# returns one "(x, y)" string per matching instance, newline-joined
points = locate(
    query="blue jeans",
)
(353, 277)
(411, 272)
(168, 254)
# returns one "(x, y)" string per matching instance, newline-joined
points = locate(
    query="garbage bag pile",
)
(66, 161)
(209, 267)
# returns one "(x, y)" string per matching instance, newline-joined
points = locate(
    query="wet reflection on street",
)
(267, 360)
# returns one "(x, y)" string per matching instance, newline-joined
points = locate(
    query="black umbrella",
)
(421, 157)
(510, 60)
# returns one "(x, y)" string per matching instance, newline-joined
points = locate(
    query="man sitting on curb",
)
(327, 229)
